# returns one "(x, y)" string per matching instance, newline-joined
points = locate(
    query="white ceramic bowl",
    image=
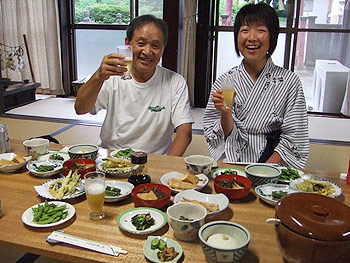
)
(262, 173)
(15, 166)
(36, 147)
(79, 151)
(215, 254)
(186, 219)
(199, 164)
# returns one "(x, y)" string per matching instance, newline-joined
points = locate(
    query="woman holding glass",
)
(268, 118)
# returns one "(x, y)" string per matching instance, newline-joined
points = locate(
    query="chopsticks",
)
(60, 236)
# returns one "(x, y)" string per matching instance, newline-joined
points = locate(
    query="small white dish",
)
(12, 167)
(219, 171)
(27, 216)
(203, 180)
(338, 191)
(125, 190)
(151, 254)
(47, 156)
(43, 190)
(124, 220)
(113, 153)
(265, 191)
(191, 194)
(33, 167)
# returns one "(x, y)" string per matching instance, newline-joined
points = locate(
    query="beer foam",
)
(95, 188)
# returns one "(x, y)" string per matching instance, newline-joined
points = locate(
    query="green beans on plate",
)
(289, 174)
(124, 153)
(49, 213)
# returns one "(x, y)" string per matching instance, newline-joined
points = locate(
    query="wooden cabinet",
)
(16, 94)
(19, 94)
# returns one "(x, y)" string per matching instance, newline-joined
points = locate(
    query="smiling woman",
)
(268, 121)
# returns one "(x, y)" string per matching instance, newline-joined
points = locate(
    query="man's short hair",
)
(259, 13)
(140, 21)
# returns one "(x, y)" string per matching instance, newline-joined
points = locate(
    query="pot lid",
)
(315, 216)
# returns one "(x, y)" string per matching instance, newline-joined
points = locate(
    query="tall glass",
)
(228, 93)
(127, 52)
(95, 193)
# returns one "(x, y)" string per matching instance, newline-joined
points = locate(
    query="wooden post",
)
(30, 62)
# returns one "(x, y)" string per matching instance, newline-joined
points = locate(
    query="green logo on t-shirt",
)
(156, 108)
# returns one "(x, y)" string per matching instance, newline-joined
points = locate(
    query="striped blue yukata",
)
(275, 101)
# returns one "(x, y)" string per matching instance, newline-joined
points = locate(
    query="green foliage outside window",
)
(107, 14)
(102, 11)
(282, 14)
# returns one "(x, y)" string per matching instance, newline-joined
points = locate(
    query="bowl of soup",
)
(262, 173)
(80, 151)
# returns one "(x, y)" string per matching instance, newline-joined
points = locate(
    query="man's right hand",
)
(111, 65)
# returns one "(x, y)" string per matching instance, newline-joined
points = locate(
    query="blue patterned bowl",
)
(199, 164)
(216, 253)
(185, 219)
(262, 173)
(79, 151)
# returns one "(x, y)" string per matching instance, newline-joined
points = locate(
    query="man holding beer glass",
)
(268, 121)
(143, 111)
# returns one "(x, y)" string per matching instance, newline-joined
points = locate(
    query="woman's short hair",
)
(258, 13)
(146, 19)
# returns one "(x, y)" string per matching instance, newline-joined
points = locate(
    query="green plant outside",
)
(105, 11)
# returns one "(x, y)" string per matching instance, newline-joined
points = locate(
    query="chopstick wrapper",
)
(86, 243)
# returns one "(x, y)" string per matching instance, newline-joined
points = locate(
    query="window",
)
(97, 27)
(313, 42)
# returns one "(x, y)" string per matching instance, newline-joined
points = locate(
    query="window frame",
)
(171, 13)
(203, 83)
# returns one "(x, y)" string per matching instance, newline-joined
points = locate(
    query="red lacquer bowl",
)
(232, 194)
(79, 164)
(159, 203)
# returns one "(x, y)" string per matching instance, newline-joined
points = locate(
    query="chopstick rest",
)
(59, 236)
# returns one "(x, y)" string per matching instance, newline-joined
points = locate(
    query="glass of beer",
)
(228, 93)
(127, 52)
(95, 193)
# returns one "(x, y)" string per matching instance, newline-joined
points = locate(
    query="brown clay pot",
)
(313, 229)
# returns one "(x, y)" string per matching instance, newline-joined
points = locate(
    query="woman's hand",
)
(218, 100)
(112, 65)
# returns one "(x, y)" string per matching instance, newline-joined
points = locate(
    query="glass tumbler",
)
(95, 193)
(127, 52)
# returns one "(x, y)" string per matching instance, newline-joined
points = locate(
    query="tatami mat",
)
(62, 108)
(25, 129)
(79, 134)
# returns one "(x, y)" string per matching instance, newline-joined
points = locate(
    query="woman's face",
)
(254, 42)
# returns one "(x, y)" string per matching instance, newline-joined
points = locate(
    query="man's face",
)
(148, 47)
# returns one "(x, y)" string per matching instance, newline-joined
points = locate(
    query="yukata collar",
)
(265, 71)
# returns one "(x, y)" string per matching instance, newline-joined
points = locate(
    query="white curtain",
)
(189, 45)
(37, 19)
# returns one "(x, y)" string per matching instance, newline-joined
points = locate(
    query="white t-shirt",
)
(143, 115)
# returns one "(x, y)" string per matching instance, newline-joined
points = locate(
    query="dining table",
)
(18, 194)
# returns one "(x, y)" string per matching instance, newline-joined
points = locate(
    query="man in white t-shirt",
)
(142, 112)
